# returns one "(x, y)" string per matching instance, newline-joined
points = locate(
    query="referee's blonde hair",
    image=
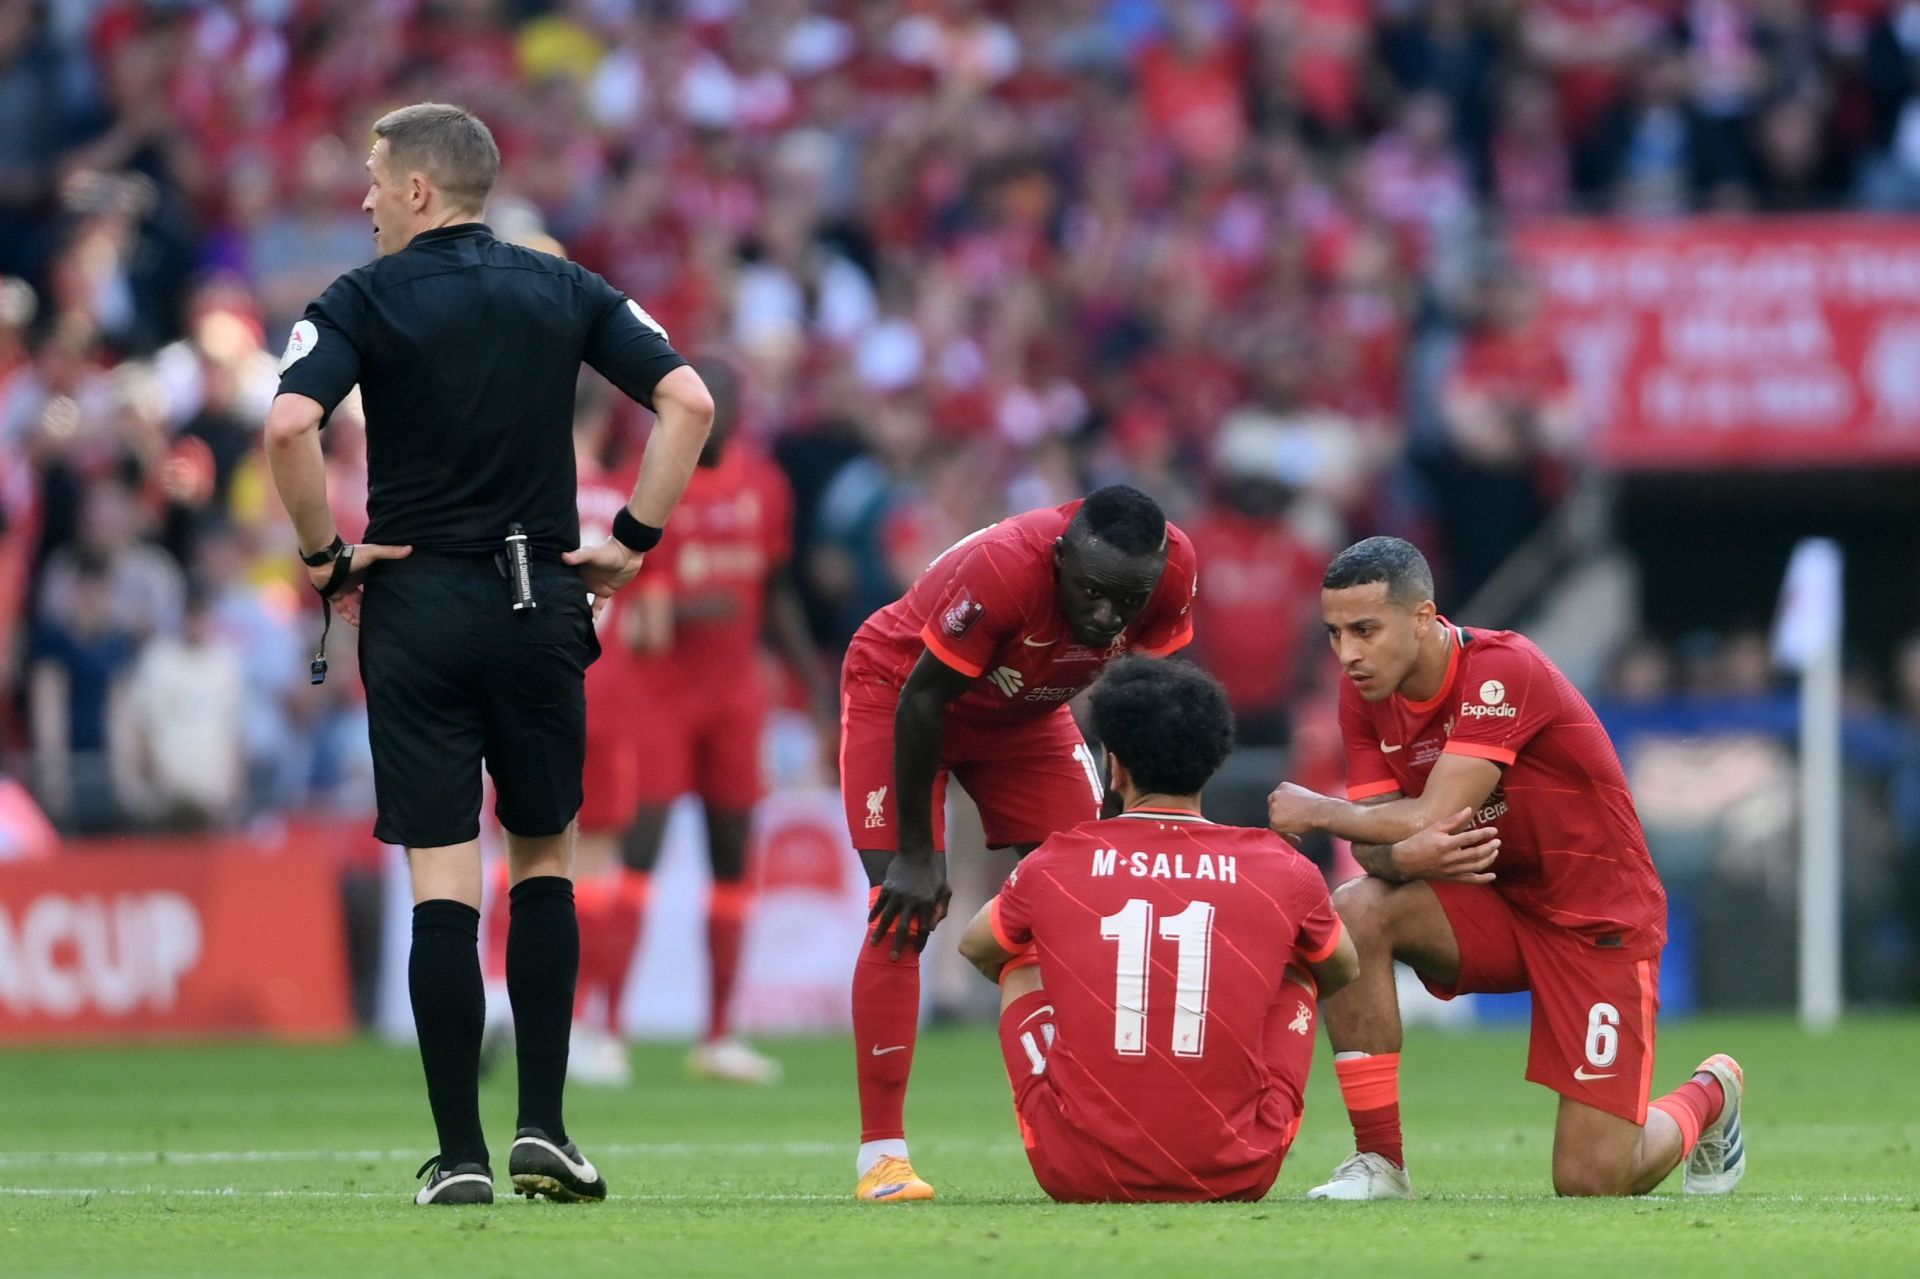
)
(449, 144)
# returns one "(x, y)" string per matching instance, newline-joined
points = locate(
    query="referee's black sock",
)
(450, 1012)
(543, 963)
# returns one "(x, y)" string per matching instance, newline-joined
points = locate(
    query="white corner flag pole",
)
(1806, 638)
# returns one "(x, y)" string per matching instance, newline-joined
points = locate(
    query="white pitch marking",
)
(187, 1158)
(237, 1192)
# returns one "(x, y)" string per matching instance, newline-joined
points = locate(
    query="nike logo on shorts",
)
(878, 1051)
(1584, 1076)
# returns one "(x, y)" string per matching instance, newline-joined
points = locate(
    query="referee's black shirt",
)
(466, 350)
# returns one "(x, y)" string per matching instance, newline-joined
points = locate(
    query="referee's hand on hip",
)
(346, 600)
(605, 568)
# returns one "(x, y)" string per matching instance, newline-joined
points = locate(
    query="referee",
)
(466, 350)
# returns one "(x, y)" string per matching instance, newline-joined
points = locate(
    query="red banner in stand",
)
(172, 938)
(1789, 341)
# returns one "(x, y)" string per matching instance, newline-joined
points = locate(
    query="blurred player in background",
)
(1447, 727)
(596, 1058)
(1159, 974)
(681, 710)
(970, 673)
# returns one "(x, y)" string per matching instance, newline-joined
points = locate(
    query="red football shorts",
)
(1072, 1169)
(1593, 1013)
(1029, 778)
(657, 736)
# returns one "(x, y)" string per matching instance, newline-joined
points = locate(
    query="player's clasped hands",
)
(913, 898)
(1452, 848)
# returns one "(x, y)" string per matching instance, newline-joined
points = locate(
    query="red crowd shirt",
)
(1571, 849)
(732, 530)
(1164, 942)
(1522, 368)
(1262, 581)
(986, 608)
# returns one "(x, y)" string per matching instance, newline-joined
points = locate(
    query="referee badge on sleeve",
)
(300, 344)
(640, 314)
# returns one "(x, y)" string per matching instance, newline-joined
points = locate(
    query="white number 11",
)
(1192, 933)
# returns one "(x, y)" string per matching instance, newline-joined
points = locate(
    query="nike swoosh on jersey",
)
(1041, 1011)
(878, 1051)
(1584, 1076)
(1388, 750)
(1031, 642)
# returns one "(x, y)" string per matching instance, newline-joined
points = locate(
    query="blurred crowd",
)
(971, 256)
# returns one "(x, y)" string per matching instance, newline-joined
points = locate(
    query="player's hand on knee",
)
(913, 898)
(1452, 848)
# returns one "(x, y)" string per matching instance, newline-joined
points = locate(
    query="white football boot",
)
(732, 1061)
(1365, 1175)
(1719, 1158)
(598, 1059)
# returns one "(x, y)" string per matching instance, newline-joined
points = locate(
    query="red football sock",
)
(1693, 1105)
(1371, 1087)
(590, 907)
(495, 951)
(622, 924)
(886, 1020)
(726, 926)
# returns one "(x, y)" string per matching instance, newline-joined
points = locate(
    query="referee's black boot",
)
(540, 1166)
(460, 1184)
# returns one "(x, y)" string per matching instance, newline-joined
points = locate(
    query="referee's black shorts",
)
(454, 676)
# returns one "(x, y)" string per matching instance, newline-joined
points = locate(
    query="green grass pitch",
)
(264, 1161)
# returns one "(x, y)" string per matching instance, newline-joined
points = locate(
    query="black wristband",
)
(326, 554)
(632, 534)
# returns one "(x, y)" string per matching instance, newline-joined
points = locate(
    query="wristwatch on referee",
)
(338, 554)
(326, 554)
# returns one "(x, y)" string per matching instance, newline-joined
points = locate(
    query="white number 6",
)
(1603, 1035)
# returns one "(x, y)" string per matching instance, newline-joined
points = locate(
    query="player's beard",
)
(1110, 802)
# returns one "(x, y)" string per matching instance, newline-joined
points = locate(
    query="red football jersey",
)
(1263, 582)
(603, 494)
(986, 608)
(732, 529)
(1164, 942)
(1571, 849)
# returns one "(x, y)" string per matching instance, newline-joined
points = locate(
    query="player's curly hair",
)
(1124, 518)
(1167, 720)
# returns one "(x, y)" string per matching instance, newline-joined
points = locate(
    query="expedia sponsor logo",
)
(1471, 710)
